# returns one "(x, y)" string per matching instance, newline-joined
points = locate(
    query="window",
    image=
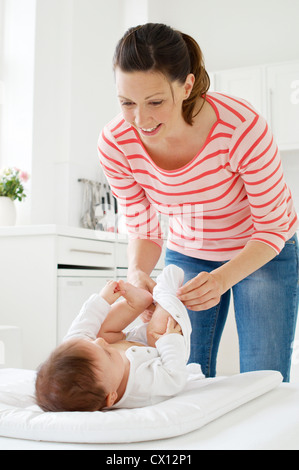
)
(1, 64)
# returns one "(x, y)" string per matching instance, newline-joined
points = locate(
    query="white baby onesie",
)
(155, 373)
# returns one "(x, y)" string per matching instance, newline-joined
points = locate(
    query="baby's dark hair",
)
(157, 47)
(67, 381)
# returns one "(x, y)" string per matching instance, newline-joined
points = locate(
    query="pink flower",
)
(24, 176)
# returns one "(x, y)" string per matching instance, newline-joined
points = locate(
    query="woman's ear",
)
(189, 82)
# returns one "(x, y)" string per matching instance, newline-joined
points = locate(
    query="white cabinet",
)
(283, 104)
(46, 274)
(246, 83)
(74, 287)
(28, 278)
(274, 91)
(85, 252)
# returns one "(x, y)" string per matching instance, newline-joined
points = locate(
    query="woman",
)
(208, 161)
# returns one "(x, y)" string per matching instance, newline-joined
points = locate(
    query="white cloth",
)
(155, 373)
(271, 420)
(164, 293)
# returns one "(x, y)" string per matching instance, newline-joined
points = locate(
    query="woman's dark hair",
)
(157, 47)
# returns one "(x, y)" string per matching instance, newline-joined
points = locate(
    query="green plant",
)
(11, 183)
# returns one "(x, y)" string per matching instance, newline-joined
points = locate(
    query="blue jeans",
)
(266, 307)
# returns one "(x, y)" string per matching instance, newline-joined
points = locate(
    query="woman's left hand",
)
(201, 292)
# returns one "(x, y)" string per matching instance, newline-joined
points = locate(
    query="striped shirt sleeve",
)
(255, 157)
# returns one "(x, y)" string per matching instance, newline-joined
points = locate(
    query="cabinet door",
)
(283, 86)
(246, 83)
(72, 292)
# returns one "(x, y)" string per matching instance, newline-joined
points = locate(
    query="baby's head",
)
(69, 380)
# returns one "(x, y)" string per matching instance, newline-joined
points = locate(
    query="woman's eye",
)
(156, 103)
(127, 103)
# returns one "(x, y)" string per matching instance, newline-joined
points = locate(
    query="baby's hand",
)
(171, 327)
(111, 292)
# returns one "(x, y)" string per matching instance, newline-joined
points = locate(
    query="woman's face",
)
(151, 103)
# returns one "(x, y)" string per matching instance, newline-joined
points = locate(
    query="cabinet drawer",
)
(121, 256)
(82, 252)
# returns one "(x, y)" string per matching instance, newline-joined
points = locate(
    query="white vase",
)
(8, 214)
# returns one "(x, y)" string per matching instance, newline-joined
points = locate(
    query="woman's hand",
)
(205, 289)
(201, 292)
(142, 280)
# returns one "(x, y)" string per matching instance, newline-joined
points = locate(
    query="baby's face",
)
(109, 364)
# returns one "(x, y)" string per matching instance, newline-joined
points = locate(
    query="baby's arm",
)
(171, 327)
(167, 374)
(158, 324)
(122, 313)
(171, 376)
(87, 323)
(95, 311)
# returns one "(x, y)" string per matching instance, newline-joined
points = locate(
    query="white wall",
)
(135, 13)
(59, 69)
(74, 96)
(1, 65)
(18, 39)
(235, 33)
(60, 74)
(1, 41)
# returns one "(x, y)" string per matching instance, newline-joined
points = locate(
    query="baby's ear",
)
(111, 399)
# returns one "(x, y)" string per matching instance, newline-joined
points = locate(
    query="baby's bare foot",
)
(136, 297)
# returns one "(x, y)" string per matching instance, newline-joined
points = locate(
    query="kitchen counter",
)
(47, 273)
(36, 287)
(78, 232)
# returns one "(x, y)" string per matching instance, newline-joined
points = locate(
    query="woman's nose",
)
(140, 118)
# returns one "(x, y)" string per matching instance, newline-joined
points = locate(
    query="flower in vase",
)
(11, 183)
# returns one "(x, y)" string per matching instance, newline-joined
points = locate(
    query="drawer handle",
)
(90, 251)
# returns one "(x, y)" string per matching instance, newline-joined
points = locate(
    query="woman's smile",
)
(150, 132)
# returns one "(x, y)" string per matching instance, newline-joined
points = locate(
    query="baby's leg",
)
(124, 312)
(137, 298)
(157, 325)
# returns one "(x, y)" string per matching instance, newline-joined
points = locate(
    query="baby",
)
(100, 366)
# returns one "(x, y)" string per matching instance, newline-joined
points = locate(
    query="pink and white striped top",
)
(232, 191)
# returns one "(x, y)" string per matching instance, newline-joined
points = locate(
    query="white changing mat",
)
(202, 402)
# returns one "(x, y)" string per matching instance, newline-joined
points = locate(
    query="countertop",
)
(51, 229)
